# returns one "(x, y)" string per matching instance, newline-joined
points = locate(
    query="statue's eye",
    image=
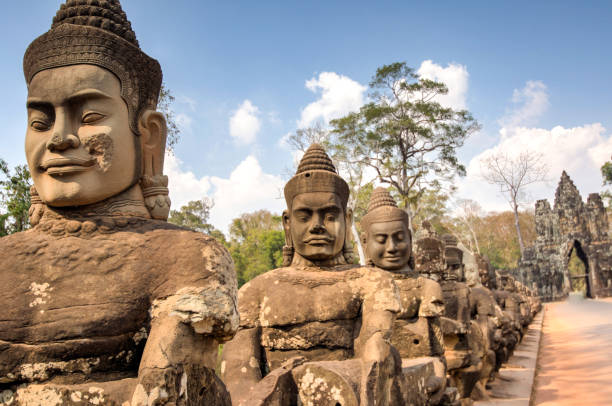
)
(39, 125)
(380, 239)
(330, 217)
(90, 118)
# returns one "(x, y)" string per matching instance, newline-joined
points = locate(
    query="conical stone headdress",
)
(316, 173)
(97, 32)
(382, 208)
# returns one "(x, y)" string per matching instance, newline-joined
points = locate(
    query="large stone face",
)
(569, 225)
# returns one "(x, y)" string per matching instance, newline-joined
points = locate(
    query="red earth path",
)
(575, 360)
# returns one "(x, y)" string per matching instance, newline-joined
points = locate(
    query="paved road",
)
(575, 362)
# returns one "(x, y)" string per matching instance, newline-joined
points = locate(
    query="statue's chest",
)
(410, 296)
(61, 289)
(293, 303)
(456, 301)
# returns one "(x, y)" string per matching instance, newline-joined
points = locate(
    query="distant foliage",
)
(576, 268)
(195, 215)
(14, 198)
(606, 173)
(256, 242)
(164, 105)
(494, 234)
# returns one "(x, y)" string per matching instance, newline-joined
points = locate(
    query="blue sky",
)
(535, 74)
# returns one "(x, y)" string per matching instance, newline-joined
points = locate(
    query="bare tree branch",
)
(512, 175)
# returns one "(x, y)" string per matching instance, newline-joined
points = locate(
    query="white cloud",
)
(273, 117)
(192, 103)
(581, 151)
(454, 76)
(244, 124)
(247, 189)
(184, 121)
(530, 103)
(340, 95)
(184, 185)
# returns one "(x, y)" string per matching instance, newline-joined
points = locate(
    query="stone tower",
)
(569, 225)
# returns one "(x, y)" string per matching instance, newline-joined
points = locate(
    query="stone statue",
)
(483, 313)
(510, 306)
(417, 334)
(464, 342)
(317, 329)
(104, 301)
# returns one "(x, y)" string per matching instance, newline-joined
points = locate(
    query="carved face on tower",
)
(93, 131)
(386, 236)
(316, 221)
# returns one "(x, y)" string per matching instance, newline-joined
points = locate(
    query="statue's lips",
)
(318, 241)
(393, 258)
(60, 166)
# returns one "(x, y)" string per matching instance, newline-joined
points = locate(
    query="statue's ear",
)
(349, 225)
(153, 133)
(364, 238)
(287, 228)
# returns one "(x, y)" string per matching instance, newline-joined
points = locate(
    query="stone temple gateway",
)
(569, 226)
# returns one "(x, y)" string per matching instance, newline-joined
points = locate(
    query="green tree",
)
(431, 206)
(405, 135)
(14, 198)
(606, 173)
(256, 242)
(194, 215)
(164, 105)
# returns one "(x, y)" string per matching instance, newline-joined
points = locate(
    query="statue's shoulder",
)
(24, 242)
(431, 288)
(176, 241)
(378, 288)
(251, 295)
(181, 257)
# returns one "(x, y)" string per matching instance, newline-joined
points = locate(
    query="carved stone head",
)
(317, 222)
(386, 235)
(93, 132)
(454, 258)
(507, 282)
(429, 253)
(484, 269)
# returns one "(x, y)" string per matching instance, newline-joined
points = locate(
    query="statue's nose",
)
(59, 142)
(391, 246)
(318, 228)
(63, 134)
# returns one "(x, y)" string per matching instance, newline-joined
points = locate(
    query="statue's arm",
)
(193, 310)
(381, 303)
(241, 365)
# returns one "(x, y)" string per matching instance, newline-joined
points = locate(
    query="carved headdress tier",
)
(97, 32)
(382, 208)
(316, 173)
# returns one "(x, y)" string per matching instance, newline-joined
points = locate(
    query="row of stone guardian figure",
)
(105, 303)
